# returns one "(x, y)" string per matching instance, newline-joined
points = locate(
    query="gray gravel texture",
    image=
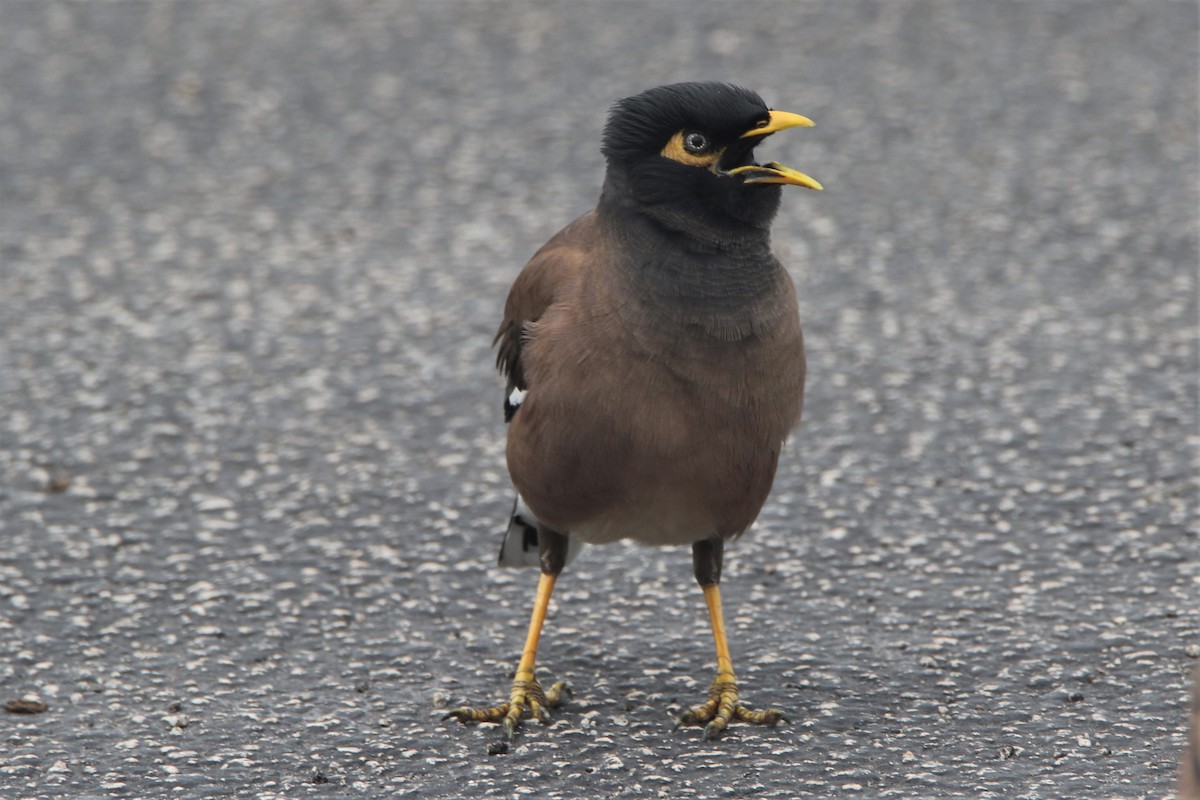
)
(251, 449)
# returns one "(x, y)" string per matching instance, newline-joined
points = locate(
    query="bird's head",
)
(687, 151)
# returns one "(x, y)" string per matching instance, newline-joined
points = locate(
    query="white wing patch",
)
(515, 398)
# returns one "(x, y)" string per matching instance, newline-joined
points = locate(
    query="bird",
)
(655, 365)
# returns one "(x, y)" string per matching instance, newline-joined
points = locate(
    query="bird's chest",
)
(682, 442)
(670, 388)
(648, 425)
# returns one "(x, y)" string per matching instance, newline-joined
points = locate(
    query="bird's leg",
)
(527, 693)
(722, 705)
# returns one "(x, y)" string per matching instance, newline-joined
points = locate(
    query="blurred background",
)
(252, 256)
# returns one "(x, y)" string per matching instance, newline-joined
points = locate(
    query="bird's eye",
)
(695, 143)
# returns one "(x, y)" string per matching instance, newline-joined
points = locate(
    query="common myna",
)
(655, 362)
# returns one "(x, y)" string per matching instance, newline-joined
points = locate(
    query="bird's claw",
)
(527, 696)
(722, 707)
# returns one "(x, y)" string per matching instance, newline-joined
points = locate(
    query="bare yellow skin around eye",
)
(677, 152)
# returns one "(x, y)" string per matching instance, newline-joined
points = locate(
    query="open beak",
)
(775, 172)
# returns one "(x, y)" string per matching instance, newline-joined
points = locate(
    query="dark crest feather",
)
(684, 198)
(639, 126)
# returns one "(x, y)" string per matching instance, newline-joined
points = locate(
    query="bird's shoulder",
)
(554, 268)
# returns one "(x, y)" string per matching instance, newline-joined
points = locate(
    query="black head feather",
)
(640, 126)
(694, 199)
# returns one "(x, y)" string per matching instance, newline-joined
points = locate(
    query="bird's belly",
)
(658, 519)
(682, 447)
(638, 482)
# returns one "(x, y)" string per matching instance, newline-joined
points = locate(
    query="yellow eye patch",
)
(677, 152)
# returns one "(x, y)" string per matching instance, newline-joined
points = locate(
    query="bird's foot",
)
(722, 707)
(526, 696)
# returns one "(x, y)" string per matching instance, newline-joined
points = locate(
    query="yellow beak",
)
(778, 121)
(775, 172)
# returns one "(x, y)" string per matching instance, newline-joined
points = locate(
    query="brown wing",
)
(554, 267)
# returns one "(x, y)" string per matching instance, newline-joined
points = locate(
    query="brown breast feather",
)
(634, 426)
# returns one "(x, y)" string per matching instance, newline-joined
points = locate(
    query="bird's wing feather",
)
(554, 266)
(544, 280)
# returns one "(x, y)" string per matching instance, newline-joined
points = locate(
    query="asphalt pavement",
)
(252, 484)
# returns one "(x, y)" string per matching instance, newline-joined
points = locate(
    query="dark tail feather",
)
(520, 545)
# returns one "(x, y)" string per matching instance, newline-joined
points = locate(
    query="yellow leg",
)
(526, 692)
(722, 704)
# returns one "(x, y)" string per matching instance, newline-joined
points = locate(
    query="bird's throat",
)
(725, 289)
